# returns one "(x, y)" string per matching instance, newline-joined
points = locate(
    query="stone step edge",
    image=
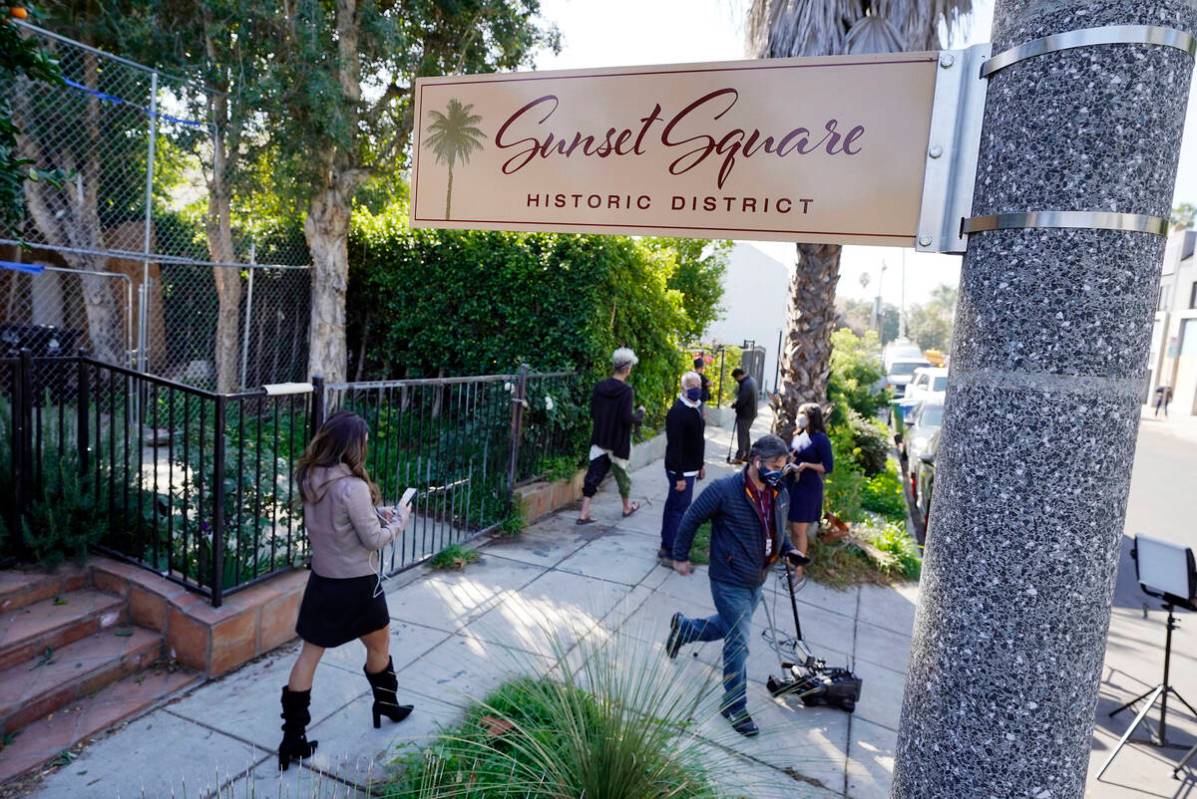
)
(8, 773)
(70, 629)
(38, 587)
(144, 650)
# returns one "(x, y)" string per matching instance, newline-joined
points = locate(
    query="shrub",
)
(700, 548)
(516, 519)
(883, 493)
(870, 443)
(68, 516)
(855, 375)
(454, 557)
(872, 556)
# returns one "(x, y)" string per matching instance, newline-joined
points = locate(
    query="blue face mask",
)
(771, 476)
(694, 394)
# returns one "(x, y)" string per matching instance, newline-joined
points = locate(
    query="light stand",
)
(1158, 693)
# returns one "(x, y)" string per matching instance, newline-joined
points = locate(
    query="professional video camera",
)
(802, 674)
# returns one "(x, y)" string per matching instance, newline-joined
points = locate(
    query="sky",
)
(611, 33)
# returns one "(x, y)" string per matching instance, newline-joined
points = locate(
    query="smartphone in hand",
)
(408, 496)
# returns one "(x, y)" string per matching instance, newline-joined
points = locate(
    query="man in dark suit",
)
(745, 408)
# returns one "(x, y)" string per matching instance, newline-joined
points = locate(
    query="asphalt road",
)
(1163, 504)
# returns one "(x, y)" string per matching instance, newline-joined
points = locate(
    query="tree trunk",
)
(327, 232)
(219, 229)
(69, 217)
(806, 344)
(449, 194)
(228, 288)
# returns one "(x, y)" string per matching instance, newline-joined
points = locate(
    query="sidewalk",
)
(458, 635)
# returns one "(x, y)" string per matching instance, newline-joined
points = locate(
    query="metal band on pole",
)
(1089, 37)
(1085, 220)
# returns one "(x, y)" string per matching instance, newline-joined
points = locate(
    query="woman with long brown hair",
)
(343, 599)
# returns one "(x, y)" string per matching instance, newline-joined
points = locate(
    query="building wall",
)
(1174, 334)
(755, 296)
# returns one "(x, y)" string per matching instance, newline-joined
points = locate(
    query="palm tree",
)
(785, 28)
(452, 136)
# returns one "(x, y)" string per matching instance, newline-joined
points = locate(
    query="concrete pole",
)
(1048, 372)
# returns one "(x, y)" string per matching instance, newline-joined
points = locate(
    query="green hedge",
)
(429, 302)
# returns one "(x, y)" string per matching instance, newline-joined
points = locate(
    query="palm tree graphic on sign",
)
(452, 136)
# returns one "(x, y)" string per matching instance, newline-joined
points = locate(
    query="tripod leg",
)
(1155, 694)
(1176, 693)
(1183, 762)
(1136, 700)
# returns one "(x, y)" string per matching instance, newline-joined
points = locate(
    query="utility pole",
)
(1074, 184)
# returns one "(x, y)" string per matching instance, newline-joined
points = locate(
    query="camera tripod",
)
(1159, 694)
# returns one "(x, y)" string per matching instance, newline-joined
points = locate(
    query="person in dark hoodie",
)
(685, 447)
(343, 600)
(745, 408)
(747, 511)
(612, 416)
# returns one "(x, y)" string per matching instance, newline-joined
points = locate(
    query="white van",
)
(901, 372)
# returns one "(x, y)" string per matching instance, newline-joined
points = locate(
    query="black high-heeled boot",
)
(386, 703)
(295, 745)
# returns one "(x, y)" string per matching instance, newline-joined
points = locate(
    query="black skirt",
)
(335, 612)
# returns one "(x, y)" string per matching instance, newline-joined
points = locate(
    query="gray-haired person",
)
(685, 447)
(747, 512)
(613, 414)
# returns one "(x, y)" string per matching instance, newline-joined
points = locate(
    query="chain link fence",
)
(213, 295)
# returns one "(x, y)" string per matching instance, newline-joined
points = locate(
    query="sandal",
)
(635, 507)
(584, 521)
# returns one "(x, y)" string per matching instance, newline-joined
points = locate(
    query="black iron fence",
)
(197, 486)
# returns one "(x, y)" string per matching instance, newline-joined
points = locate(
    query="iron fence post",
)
(20, 430)
(317, 405)
(722, 365)
(517, 423)
(82, 391)
(218, 503)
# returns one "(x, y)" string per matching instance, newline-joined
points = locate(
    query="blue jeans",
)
(676, 503)
(733, 623)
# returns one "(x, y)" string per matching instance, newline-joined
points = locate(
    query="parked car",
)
(928, 383)
(925, 423)
(926, 490)
(901, 372)
(902, 349)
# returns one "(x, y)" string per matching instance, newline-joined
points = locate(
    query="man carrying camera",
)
(748, 512)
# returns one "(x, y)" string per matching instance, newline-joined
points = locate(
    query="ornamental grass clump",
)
(612, 720)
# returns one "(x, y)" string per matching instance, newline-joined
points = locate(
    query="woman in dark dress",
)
(343, 600)
(812, 459)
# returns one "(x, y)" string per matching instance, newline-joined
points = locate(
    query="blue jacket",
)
(737, 545)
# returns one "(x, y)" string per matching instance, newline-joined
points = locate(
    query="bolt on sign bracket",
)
(952, 149)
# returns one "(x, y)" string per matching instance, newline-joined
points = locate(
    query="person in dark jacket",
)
(700, 366)
(813, 460)
(745, 408)
(612, 417)
(747, 512)
(685, 447)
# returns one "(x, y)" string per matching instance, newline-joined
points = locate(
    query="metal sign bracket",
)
(951, 166)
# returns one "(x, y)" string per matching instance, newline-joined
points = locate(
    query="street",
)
(1163, 504)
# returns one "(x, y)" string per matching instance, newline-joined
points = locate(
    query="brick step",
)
(19, 589)
(56, 622)
(46, 739)
(38, 687)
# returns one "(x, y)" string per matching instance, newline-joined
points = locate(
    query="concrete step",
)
(19, 589)
(50, 738)
(56, 622)
(36, 688)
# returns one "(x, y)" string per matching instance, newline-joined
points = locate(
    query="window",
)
(1193, 295)
(932, 416)
(941, 384)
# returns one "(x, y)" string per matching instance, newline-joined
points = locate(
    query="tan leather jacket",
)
(342, 525)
